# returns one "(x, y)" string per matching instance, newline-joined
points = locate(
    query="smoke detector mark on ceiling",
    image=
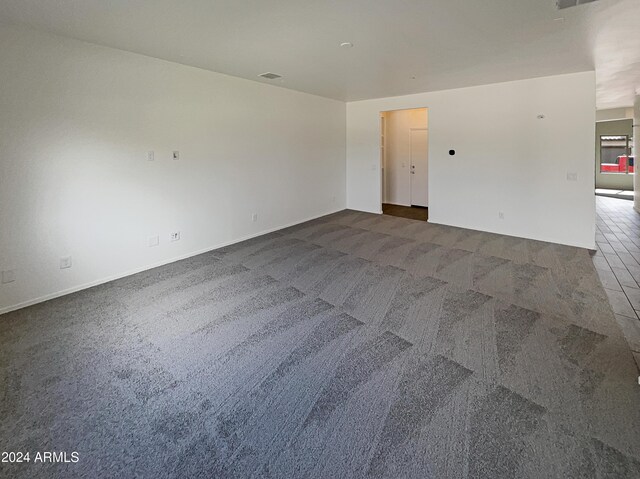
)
(561, 4)
(270, 76)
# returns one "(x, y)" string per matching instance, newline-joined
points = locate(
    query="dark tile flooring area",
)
(409, 212)
(617, 261)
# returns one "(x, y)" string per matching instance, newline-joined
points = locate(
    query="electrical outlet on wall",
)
(8, 276)
(254, 217)
(151, 156)
(175, 236)
(572, 176)
(65, 262)
(176, 155)
(500, 215)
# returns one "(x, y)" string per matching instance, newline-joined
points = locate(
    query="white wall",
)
(76, 122)
(507, 160)
(398, 149)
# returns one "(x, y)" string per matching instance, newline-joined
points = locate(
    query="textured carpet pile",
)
(355, 345)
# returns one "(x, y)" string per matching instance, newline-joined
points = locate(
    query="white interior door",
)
(419, 167)
(383, 158)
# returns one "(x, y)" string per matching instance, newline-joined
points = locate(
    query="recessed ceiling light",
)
(346, 44)
(270, 76)
(559, 19)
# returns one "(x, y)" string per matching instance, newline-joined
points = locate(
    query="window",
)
(615, 154)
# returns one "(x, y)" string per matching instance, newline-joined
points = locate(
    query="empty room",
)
(319, 239)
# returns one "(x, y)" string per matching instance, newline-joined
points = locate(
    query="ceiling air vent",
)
(571, 3)
(270, 76)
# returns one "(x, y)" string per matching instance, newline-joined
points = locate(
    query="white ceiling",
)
(442, 43)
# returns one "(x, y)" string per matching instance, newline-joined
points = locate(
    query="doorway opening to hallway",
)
(404, 158)
(615, 158)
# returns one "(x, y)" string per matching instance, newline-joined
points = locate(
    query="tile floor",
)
(617, 261)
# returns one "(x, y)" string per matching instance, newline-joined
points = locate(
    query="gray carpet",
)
(355, 345)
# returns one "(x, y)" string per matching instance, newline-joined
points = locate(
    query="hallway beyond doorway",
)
(404, 157)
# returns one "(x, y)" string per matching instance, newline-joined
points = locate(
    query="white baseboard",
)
(91, 284)
(588, 246)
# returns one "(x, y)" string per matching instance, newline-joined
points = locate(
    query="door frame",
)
(381, 161)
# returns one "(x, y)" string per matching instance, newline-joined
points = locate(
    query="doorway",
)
(615, 158)
(404, 158)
